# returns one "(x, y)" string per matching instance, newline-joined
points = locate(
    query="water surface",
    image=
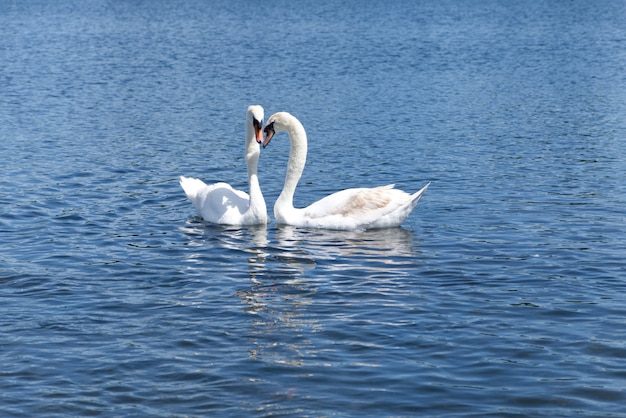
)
(501, 295)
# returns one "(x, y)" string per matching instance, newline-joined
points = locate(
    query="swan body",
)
(221, 204)
(349, 209)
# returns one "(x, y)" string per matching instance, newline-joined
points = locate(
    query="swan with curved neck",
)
(349, 209)
(221, 204)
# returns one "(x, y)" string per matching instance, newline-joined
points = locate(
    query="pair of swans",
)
(350, 209)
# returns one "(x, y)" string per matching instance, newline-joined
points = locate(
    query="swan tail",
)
(399, 214)
(191, 186)
(415, 197)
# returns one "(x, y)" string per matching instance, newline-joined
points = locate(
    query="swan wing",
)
(218, 203)
(396, 217)
(358, 208)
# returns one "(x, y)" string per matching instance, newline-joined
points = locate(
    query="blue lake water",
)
(503, 294)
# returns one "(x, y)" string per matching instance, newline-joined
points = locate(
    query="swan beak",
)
(269, 133)
(258, 131)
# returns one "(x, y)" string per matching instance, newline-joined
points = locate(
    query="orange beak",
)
(258, 130)
(269, 133)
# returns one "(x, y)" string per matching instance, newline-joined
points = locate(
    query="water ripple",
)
(499, 296)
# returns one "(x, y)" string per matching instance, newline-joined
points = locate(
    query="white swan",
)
(350, 209)
(220, 203)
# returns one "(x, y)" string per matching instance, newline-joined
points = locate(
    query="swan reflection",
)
(297, 264)
(250, 239)
(388, 242)
(289, 270)
(274, 296)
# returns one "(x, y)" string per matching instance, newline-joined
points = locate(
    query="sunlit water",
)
(503, 294)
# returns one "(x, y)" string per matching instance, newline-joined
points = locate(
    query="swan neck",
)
(297, 161)
(257, 202)
(253, 151)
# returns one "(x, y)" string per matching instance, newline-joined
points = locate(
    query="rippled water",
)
(503, 294)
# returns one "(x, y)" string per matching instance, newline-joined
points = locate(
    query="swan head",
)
(255, 117)
(276, 123)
